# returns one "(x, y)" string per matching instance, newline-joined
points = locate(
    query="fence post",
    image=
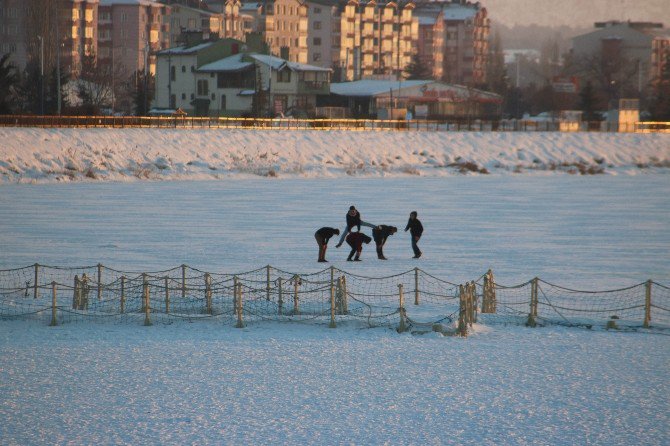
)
(345, 295)
(402, 326)
(267, 287)
(208, 293)
(123, 294)
(147, 309)
(473, 303)
(167, 297)
(647, 304)
(533, 304)
(332, 300)
(183, 280)
(54, 321)
(462, 326)
(280, 301)
(239, 307)
(75, 296)
(99, 281)
(416, 286)
(296, 307)
(35, 292)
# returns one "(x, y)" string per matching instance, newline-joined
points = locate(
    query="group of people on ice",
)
(356, 239)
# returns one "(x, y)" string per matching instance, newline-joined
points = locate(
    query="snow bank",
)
(51, 155)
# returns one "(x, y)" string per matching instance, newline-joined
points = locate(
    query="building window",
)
(317, 25)
(173, 101)
(316, 41)
(317, 10)
(173, 74)
(316, 57)
(284, 76)
(183, 68)
(223, 102)
(203, 87)
(183, 96)
(192, 68)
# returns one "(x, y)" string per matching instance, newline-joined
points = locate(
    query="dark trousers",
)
(415, 247)
(322, 246)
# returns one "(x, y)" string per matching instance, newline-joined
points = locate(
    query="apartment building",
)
(323, 24)
(376, 38)
(430, 45)
(131, 31)
(460, 39)
(286, 30)
(70, 24)
(634, 43)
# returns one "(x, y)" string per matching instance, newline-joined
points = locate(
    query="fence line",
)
(411, 300)
(179, 122)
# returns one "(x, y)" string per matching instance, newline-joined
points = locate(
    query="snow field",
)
(64, 155)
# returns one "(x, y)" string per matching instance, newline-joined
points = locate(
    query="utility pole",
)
(41, 74)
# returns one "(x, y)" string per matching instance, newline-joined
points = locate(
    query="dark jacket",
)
(381, 234)
(326, 233)
(356, 240)
(415, 227)
(354, 221)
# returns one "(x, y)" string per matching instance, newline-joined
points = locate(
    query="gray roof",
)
(179, 50)
(227, 64)
(372, 87)
(277, 63)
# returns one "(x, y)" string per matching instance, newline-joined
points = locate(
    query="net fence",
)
(413, 299)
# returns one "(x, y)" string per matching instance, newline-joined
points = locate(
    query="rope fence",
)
(410, 301)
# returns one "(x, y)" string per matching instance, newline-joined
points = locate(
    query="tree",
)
(143, 92)
(417, 69)
(9, 79)
(498, 81)
(587, 103)
(660, 104)
(94, 86)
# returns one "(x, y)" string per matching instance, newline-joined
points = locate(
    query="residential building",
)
(376, 38)
(421, 99)
(323, 24)
(285, 27)
(461, 37)
(221, 78)
(76, 31)
(660, 55)
(430, 44)
(624, 44)
(131, 31)
(186, 18)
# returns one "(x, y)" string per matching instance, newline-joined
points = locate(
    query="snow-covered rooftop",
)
(372, 87)
(185, 49)
(232, 63)
(130, 2)
(277, 63)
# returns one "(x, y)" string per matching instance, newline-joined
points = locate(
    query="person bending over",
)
(322, 236)
(380, 234)
(356, 240)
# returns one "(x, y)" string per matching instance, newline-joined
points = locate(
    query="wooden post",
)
(54, 321)
(332, 300)
(183, 280)
(416, 286)
(345, 296)
(402, 327)
(533, 304)
(280, 302)
(267, 283)
(239, 307)
(123, 294)
(75, 296)
(296, 306)
(147, 309)
(647, 304)
(462, 325)
(235, 282)
(167, 296)
(208, 293)
(35, 292)
(99, 281)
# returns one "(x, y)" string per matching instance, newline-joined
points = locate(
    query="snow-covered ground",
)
(50, 155)
(273, 383)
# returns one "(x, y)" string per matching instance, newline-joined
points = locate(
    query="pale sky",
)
(579, 13)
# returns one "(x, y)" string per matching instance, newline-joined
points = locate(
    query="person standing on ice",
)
(322, 236)
(380, 234)
(356, 240)
(415, 229)
(353, 219)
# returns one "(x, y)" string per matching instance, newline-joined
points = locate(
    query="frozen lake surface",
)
(273, 383)
(595, 232)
